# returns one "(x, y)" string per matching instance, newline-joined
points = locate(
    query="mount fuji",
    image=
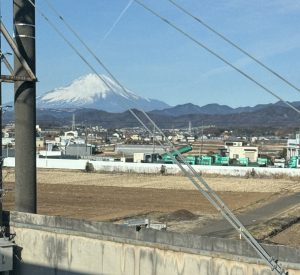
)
(90, 91)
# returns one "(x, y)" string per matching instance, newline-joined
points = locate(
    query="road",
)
(222, 228)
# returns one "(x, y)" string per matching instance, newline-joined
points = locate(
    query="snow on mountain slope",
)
(91, 92)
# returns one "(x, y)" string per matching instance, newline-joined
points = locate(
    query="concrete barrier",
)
(57, 245)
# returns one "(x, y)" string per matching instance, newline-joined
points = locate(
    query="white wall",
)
(107, 166)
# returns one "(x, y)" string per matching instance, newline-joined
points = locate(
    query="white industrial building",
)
(293, 147)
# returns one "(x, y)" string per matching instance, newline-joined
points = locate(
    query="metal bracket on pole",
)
(14, 47)
(5, 61)
(12, 78)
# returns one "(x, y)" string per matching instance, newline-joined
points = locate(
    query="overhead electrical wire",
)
(203, 23)
(238, 225)
(74, 32)
(196, 179)
(86, 61)
(216, 55)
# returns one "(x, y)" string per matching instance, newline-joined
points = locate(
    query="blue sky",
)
(155, 61)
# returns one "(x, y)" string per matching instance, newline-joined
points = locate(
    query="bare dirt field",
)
(171, 199)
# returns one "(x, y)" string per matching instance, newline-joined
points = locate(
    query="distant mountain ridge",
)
(94, 102)
(268, 115)
(102, 93)
(216, 109)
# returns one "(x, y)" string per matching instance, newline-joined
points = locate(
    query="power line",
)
(197, 180)
(87, 63)
(96, 58)
(203, 23)
(216, 55)
(75, 33)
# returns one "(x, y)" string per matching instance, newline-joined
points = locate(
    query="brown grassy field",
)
(111, 197)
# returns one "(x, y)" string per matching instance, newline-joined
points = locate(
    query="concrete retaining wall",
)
(56, 245)
(106, 166)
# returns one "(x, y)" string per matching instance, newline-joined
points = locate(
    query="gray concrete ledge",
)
(226, 248)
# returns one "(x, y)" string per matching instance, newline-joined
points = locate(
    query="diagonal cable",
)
(203, 23)
(197, 180)
(216, 55)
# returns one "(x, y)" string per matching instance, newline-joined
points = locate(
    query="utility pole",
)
(73, 122)
(153, 139)
(201, 148)
(25, 108)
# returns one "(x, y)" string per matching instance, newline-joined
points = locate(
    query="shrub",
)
(89, 167)
(251, 174)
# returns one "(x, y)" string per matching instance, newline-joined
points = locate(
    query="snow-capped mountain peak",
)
(90, 91)
(85, 89)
